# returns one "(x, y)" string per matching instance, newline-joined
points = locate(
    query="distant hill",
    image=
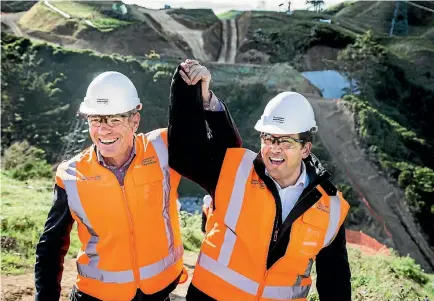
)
(378, 15)
(16, 6)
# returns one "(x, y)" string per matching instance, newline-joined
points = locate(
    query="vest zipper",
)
(276, 232)
(136, 268)
(262, 285)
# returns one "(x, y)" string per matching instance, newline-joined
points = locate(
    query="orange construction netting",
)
(365, 243)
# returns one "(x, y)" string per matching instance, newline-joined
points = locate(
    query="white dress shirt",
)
(290, 194)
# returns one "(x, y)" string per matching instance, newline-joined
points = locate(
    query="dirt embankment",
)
(319, 57)
(246, 49)
(172, 28)
(9, 23)
(212, 39)
(243, 22)
(135, 39)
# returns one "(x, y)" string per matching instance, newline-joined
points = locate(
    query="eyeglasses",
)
(111, 120)
(285, 142)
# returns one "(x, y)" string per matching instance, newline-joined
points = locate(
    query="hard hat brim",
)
(271, 129)
(85, 110)
(277, 130)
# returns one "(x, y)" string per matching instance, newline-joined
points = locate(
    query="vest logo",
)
(102, 101)
(323, 207)
(258, 182)
(95, 178)
(278, 119)
(150, 160)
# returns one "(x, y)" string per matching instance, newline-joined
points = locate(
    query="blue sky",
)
(220, 6)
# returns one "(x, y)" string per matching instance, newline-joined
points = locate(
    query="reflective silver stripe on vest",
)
(306, 273)
(334, 218)
(76, 207)
(105, 276)
(285, 292)
(163, 157)
(230, 276)
(234, 207)
(156, 268)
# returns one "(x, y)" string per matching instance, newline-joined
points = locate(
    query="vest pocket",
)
(308, 239)
(317, 218)
(150, 187)
(145, 175)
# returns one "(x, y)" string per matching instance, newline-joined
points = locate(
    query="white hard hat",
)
(110, 93)
(287, 113)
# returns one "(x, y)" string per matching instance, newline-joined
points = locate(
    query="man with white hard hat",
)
(273, 213)
(123, 196)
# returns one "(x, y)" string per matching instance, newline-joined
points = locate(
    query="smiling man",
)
(123, 196)
(273, 213)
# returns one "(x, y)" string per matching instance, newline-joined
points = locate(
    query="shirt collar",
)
(301, 181)
(130, 158)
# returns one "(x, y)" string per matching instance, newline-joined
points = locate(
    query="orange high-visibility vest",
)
(130, 235)
(232, 263)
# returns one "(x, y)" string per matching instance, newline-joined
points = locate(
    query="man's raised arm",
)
(200, 127)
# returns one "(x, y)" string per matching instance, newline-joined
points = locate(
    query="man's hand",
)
(192, 72)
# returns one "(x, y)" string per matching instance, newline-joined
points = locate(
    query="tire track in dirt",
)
(229, 35)
(171, 27)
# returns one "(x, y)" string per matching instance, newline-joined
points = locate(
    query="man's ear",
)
(136, 122)
(305, 151)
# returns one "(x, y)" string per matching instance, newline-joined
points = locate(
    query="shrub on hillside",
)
(24, 161)
(363, 63)
(191, 230)
(406, 266)
(396, 149)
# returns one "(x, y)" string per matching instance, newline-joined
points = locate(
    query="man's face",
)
(283, 160)
(113, 135)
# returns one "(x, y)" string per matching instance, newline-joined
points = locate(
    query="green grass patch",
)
(334, 9)
(408, 48)
(25, 205)
(386, 278)
(40, 17)
(230, 14)
(192, 235)
(79, 10)
(194, 18)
